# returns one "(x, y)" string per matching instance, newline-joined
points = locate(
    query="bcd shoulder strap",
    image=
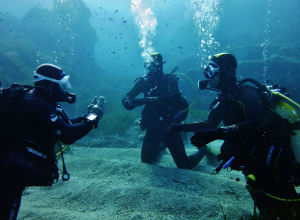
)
(262, 91)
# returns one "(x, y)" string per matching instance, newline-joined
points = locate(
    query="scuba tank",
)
(289, 110)
(276, 99)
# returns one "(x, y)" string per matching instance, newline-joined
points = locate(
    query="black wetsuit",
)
(158, 116)
(36, 124)
(252, 145)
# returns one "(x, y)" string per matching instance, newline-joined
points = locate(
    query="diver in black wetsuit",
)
(34, 125)
(164, 105)
(256, 139)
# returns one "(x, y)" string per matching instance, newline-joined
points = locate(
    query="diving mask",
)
(64, 85)
(152, 66)
(211, 70)
(212, 75)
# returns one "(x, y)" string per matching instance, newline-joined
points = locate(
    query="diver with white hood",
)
(32, 123)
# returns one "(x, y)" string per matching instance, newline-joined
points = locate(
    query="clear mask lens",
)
(65, 84)
(156, 62)
(152, 66)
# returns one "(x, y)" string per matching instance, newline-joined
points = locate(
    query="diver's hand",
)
(97, 106)
(132, 103)
(127, 103)
(205, 136)
(92, 104)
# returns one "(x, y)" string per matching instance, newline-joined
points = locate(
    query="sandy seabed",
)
(112, 183)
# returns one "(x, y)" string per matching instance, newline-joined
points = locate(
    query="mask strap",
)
(41, 77)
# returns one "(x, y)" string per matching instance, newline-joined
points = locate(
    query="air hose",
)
(287, 98)
(251, 188)
(280, 199)
(194, 85)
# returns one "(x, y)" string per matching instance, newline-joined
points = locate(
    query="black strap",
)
(66, 175)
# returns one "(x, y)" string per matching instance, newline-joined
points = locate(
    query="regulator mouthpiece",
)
(71, 98)
(202, 84)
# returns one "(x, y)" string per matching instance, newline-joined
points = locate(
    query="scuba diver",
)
(163, 106)
(257, 139)
(32, 123)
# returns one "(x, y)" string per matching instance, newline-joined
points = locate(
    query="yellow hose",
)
(194, 85)
(287, 98)
(63, 150)
(281, 199)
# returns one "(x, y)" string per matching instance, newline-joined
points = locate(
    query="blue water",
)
(103, 44)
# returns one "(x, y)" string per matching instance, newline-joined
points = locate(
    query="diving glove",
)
(127, 103)
(97, 106)
(205, 136)
(132, 103)
(202, 84)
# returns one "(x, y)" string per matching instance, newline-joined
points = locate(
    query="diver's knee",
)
(184, 166)
(147, 159)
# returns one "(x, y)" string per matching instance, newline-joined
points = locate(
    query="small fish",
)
(180, 47)
(116, 11)
(111, 19)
